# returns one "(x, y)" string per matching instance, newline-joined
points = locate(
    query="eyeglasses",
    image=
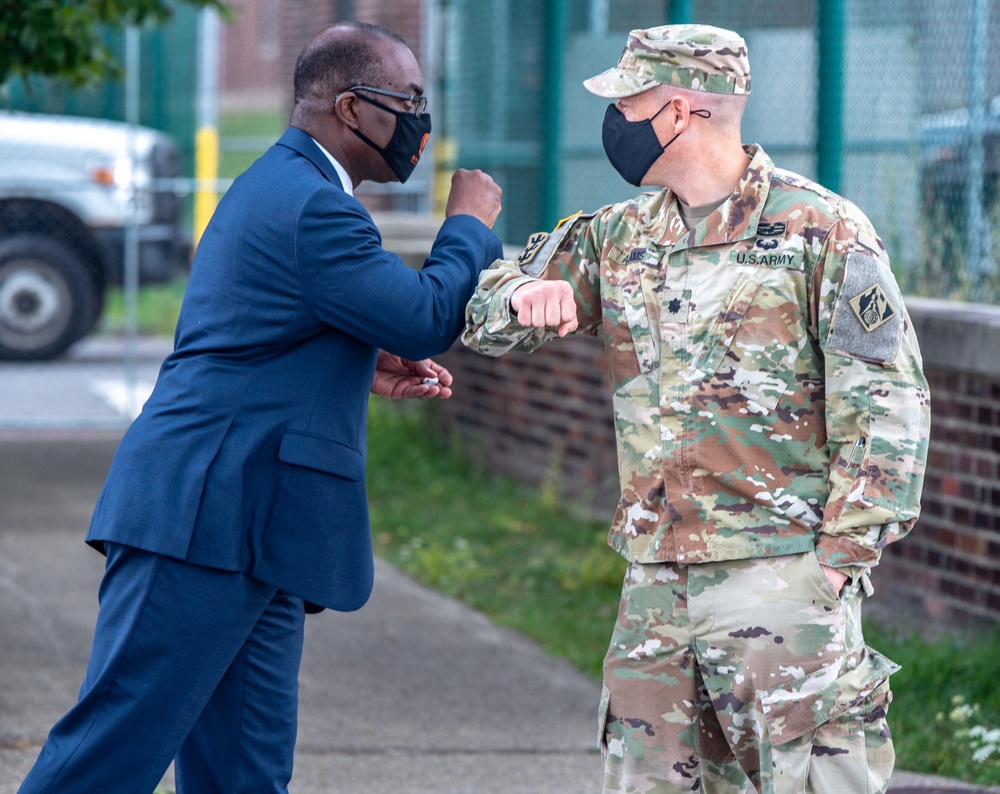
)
(419, 102)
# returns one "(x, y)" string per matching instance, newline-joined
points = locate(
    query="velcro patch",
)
(534, 245)
(542, 245)
(868, 319)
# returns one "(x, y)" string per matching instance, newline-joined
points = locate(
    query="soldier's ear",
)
(681, 110)
(674, 112)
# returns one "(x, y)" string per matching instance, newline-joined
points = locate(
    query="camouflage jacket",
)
(766, 381)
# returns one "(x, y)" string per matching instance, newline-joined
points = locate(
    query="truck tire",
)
(48, 299)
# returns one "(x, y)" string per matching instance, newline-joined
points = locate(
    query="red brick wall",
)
(950, 564)
(543, 417)
(259, 48)
(262, 42)
(403, 18)
(549, 414)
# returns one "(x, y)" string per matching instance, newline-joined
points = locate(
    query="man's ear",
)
(679, 112)
(345, 109)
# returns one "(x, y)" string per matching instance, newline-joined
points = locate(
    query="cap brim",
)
(613, 83)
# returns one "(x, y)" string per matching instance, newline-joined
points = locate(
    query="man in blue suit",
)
(236, 501)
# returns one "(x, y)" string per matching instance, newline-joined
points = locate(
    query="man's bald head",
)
(346, 54)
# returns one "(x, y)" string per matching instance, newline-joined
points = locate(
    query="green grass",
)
(264, 124)
(946, 687)
(497, 546)
(253, 122)
(158, 308)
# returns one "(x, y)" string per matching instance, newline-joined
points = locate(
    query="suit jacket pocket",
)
(317, 543)
(322, 454)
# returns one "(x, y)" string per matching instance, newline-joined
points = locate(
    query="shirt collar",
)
(736, 218)
(345, 180)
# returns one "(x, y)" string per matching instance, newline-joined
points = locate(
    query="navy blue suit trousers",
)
(188, 662)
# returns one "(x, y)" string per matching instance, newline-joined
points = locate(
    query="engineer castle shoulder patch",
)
(873, 308)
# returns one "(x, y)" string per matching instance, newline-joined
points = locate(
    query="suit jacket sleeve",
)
(355, 285)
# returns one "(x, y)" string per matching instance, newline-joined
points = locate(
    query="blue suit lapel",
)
(301, 142)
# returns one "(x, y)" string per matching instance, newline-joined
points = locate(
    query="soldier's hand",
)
(474, 193)
(545, 304)
(835, 577)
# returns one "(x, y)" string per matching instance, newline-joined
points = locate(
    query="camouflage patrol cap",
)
(698, 57)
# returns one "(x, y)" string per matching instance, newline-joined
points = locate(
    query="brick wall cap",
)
(955, 336)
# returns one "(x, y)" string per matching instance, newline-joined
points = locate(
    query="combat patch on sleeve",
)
(534, 245)
(868, 319)
(542, 245)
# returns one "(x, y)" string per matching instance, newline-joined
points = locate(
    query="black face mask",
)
(632, 146)
(403, 151)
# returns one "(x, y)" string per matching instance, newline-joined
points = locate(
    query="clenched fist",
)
(545, 304)
(474, 193)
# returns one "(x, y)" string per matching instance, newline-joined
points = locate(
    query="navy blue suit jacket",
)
(250, 454)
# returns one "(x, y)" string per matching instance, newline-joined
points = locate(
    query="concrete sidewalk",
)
(414, 693)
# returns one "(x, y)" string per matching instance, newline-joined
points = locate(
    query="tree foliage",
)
(66, 38)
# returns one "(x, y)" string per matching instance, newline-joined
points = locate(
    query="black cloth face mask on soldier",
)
(403, 151)
(632, 146)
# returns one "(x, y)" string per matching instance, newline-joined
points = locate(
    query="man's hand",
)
(545, 304)
(398, 378)
(835, 577)
(474, 193)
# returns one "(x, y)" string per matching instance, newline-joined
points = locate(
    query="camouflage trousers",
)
(740, 676)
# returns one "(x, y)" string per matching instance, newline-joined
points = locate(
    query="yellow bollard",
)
(206, 171)
(445, 155)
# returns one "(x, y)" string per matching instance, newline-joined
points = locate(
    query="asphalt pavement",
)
(414, 693)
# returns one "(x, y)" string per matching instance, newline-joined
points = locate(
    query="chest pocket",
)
(628, 308)
(758, 336)
(647, 347)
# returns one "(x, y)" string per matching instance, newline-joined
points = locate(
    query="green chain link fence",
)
(895, 104)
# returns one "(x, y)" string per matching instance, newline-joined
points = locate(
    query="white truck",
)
(68, 189)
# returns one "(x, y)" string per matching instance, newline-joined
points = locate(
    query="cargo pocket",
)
(796, 708)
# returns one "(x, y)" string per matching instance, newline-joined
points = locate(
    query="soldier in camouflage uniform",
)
(772, 422)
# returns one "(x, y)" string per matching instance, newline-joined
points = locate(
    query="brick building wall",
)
(404, 18)
(950, 564)
(541, 418)
(264, 38)
(548, 415)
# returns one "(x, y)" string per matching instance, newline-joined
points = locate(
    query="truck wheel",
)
(48, 299)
